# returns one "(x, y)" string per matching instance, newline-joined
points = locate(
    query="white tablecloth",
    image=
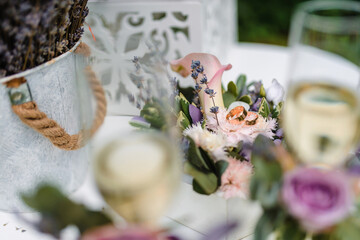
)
(257, 61)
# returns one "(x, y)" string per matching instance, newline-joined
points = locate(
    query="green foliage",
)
(264, 227)
(262, 91)
(264, 108)
(246, 99)
(234, 152)
(204, 182)
(236, 92)
(195, 157)
(290, 229)
(188, 93)
(206, 173)
(232, 88)
(220, 167)
(139, 124)
(275, 112)
(183, 105)
(266, 183)
(228, 99)
(265, 21)
(349, 229)
(183, 121)
(59, 211)
(153, 113)
(241, 85)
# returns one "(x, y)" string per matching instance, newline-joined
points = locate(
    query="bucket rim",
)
(41, 66)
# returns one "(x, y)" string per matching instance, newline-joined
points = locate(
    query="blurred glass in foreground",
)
(138, 175)
(322, 111)
(138, 172)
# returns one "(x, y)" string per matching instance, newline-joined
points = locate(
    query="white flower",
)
(212, 142)
(275, 93)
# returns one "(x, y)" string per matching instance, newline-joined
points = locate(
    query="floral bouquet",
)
(218, 126)
(303, 202)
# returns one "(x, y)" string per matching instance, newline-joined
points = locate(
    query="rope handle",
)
(30, 114)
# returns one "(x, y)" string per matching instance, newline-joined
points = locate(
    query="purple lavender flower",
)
(318, 199)
(214, 109)
(255, 107)
(197, 87)
(195, 64)
(210, 92)
(194, 75)
(200, 69)
(204, 80)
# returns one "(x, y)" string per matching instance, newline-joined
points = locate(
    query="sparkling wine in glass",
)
(138, 175)
(321, 117)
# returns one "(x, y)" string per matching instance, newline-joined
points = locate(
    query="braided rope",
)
(30, 114)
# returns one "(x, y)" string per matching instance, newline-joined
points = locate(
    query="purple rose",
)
(318, 199)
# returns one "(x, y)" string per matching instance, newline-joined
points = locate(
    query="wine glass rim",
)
(311, 7)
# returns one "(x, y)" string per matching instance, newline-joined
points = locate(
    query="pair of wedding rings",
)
(240, 114)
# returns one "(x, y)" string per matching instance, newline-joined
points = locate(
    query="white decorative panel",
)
(219, 26)
(121, 29)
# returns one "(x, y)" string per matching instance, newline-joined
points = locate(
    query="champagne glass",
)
(321, 117)
(137, 173)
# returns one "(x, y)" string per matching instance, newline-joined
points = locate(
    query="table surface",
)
(257, 61)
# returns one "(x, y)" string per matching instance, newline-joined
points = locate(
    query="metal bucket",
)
(27, 158)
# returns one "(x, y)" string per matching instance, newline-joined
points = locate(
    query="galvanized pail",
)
(26, 157)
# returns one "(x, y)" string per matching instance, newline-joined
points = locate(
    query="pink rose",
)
(212, 69)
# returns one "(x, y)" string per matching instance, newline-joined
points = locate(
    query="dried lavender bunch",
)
(35, 31)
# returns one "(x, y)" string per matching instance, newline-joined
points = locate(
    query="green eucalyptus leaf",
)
(241, 85)
(205, 182)
(195, 157)
(60, 211)
(268, 194)
(221, 167)
(254, 185)
(228, 99)
(265, 170)
(197, 188)
(246, 99)
(264, 108)
(264, 227)
(275, 113)
(208, 160)
(232, 89)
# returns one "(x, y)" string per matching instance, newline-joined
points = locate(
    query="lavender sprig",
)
(197, 70)
(32, 32)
